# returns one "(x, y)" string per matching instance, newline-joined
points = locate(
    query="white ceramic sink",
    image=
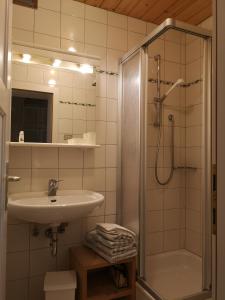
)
(67, 206)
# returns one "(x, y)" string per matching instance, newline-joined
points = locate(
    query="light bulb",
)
(72, 49)
(52, 82)
(26, 58)
(57, 63)
(86, 69)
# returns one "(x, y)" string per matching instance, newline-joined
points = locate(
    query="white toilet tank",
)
(60, 285)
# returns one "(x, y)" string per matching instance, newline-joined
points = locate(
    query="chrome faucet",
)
(53, 186)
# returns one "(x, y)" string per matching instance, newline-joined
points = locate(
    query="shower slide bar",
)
(166, 82)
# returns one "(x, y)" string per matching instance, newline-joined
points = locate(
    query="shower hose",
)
(161, 182)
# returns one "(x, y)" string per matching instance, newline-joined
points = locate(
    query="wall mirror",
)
(53, 95)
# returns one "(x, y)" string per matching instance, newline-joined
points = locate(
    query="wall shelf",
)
(53, 145)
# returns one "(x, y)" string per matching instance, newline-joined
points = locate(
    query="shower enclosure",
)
(164, 187)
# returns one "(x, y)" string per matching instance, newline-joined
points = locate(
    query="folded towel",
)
(99, 242)
(113, 244)
(115, 232)
(111, 259)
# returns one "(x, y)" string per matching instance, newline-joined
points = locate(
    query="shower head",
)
(177, 83)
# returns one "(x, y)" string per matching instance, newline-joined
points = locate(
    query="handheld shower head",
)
(177, 83)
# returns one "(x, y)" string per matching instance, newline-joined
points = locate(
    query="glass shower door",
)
(132, 142)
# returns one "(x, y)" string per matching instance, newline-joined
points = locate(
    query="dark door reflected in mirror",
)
(31, 113)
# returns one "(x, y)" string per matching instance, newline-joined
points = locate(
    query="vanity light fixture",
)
(86, 69)
(57, 63)
(72, 49)
(51, 82)
(26, 58)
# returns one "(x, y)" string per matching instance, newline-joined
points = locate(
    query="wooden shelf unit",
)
(94, 280)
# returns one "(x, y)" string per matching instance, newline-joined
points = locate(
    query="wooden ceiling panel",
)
(142, 6)
(125, 6)
(110, 5)
(156, 11)
(172, 11)
(193, 9)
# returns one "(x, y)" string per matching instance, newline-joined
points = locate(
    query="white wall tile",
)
(95, 158)
(44, 256)
(46, 158)
(36, 284)
(95, 33)
(22, 35)
(111, 156)
(66, 44)
(17, 289)
(110, 219)
(150, 27)
(20, 158)
(27, 21)
(95, 14)
(111, 133)
(24, 185)
(154, 221)
(136, 25)
(72, 28)
(18, 265)
(110, 203)
(17, 237)
(112, 86)
(50, 4)
(35, 75)
(117, 38)
(94, 179)
(155, 243)
(98, 51)
(171, 240)
(72, 234)
(101, 132)
(113, 58)
(46, 40)
(73, 8)
(134, 39)
(71, 179)
(117, 20)
(111, 174)
(47, 22)
(101, 109)
(70, 158)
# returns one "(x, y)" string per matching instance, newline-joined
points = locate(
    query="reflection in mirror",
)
(53, 100)
(31, 112)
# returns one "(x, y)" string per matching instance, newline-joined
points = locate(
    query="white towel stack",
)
(113, 242)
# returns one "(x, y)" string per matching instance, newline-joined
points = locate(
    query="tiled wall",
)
(175, 210)
(166, 204)
(62, 24)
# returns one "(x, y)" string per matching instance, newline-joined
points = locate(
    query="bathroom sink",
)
(67, 205)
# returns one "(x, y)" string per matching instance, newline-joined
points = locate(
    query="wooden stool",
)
(94, 282)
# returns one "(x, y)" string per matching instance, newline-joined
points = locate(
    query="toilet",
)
(60, 285)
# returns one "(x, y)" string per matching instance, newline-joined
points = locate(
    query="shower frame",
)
(141, 50)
